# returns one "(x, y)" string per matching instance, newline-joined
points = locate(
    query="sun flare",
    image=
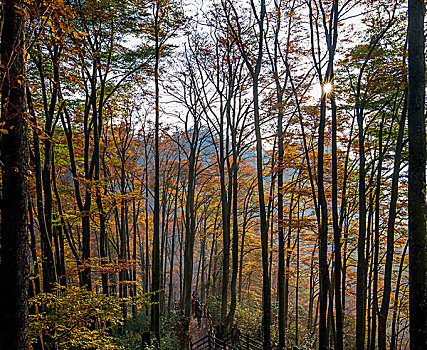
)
(327, 88)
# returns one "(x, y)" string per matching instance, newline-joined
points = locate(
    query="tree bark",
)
(417, 178)
(14, 268)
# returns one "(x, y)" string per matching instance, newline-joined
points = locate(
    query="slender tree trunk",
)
(242, 247)
(281, 237)
(34, 285)
(225, 204)
(288, 266)
(382, 317)
(323, 234)
(202, 275)
(35, 275)
(190, 226)
(181, 274)
(155, 282)
(135, 214)
(254, 67)
(362, 264)
(331, 33)
(297, 281)
(392, 345)
(147, 220)
(344, 268)
(266, 289)
(103, 238)
(235, 245)
(212, 258)
(310, 322)
(48, 260)
(377, 242)
(175, 218)
(337, 233)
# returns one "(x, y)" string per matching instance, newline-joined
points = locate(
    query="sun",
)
(327, 88)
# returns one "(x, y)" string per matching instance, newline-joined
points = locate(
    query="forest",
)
(262, 160)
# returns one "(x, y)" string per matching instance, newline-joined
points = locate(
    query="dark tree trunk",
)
(376, 246)
(286, 268)
(212, 258)
(396, 300)
(281, 236)
(14, 268)
(155, 282)
(382, 317)
(331, 33)
(135, 214)
(235, 246)
(103, 235)
(362, 265)
(297, 279)
(175, 218)
(235, 241)
(48, 260)
(147, 219)
(254, 63)
(417, 178)
(35, 273)
(190, 223)
(323, 234)
(266, 288)
(225, 205)
(337, 233)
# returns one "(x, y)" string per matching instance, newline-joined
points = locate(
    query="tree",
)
(166, 21)
(417, 177)
(330, 26)
(254, 65)
(14, 268)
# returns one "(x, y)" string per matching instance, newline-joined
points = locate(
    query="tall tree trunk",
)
(337, 233)
(225, 204)
(235, 245)
(190, 224)
(35, 274)
(331, 36)
(376, 246)
(48, 260)
(175, 218)
(253, 64)
(362, 265)
(135, 214)
(287, 267)
(14, 268)
(392, 345)
(281, 237)
(212, 258)
(385, 304)
(155, 282)
(147, 219)
(323, 233)
(417, 178)
(266, 289)
(297, 278)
